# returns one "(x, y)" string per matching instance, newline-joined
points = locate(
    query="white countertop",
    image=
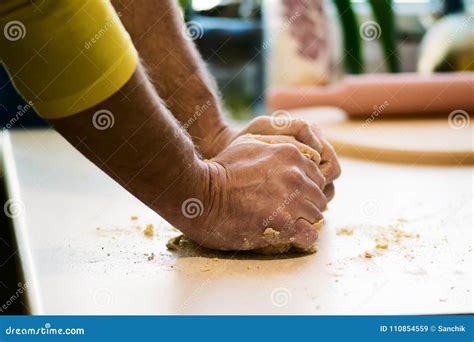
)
(82, 254)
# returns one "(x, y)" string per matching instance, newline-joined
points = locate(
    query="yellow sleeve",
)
(65, 56)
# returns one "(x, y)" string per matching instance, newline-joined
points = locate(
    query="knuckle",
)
(300, 126)
(334, 170)
(293, 175)
(315, 128)
(290, 150)
(299, 122)
(285, 151)
(258, 122)
(303, 126)
(261, 120)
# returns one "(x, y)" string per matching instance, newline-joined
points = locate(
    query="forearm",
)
(144, 150)
(176, 68)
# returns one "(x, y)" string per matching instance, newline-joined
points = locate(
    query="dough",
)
(178, 242)
(269, 234)
(285, 139)
(183, 243)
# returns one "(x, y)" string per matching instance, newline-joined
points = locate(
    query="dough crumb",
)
(311, 250)
(368, 255)
(400, 234)
(271, 235)
(319, 225)
(176, 243)
(134, 217)
(149, 230)
(345, 231)
(381, 243)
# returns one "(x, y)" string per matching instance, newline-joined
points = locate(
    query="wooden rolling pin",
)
(386, 94)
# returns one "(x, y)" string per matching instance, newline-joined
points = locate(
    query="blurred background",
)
(248, 45)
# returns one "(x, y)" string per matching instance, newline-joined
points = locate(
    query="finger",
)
(315, 196)
(308, 211)
(305, 150)
(329, 164)
(307, 160)
(306, 234)
(313, 173)
(308, 189)
(284, 226)
(302, 132)
(298, 176)
(297, 128)
(329, 191)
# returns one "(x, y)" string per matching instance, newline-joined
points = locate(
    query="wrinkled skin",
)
(301, 130)
(244, 177)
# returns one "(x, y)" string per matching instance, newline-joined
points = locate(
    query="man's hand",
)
(301, 130)
(253, 186)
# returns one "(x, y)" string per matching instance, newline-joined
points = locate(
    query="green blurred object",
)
(384, 17)
(186, 6)
(383, 14)
(352, 44)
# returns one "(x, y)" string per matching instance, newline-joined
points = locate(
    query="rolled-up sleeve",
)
(65, 56)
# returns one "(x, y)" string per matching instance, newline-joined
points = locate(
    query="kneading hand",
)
(302, 131)
(257, 183)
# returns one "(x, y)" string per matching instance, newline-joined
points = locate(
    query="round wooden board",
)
(416, 141)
